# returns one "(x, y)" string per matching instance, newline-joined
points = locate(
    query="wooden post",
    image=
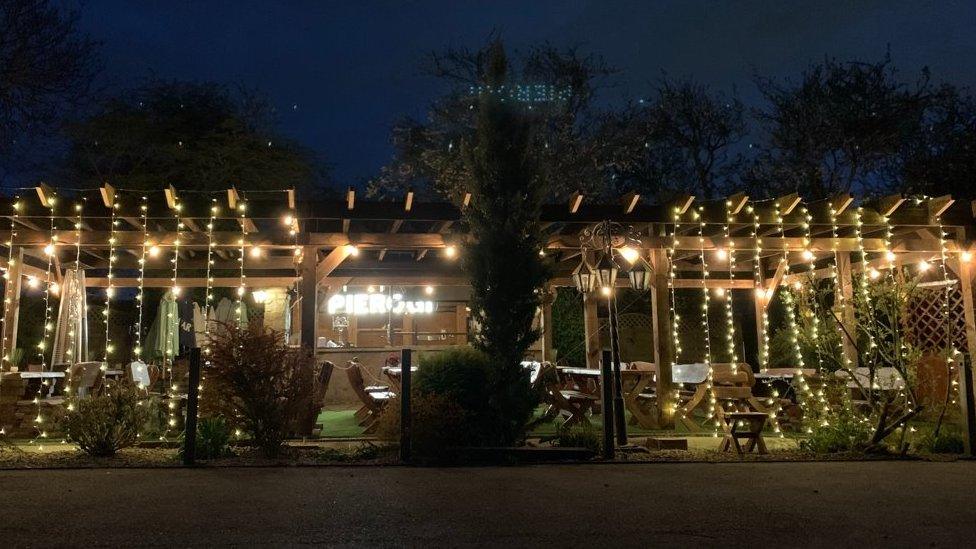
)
(663, 344)
(405, 417)
(846, 301)
(547, 350)
(966, 387)
(591, 330)
(12, 308)
(460, 325)
(759, 303)
(308, 288)
(192, 397)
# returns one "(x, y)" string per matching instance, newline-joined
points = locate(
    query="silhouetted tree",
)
(941, 159)
(681, 140)
(46, 68)
(194, 136)
(507, 190)
(568, 140)
(839, 129)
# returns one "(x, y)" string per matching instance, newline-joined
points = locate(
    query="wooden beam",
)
(841, 202)
(422, 254)
(546, 322)
(663, 344)
(171, 197)
(291, 199)
(888, 204)
(46, 194)
(788, 203)
(629, 201)
(574, 202)
(408, 203)
(12, 306)
(108, 195)
(308, 290)
(591, 330)
(736, 202)
(939, 204)
(844, 300)
(681, 204)
(466, 201)
(191, 282)
(233, 197)
(774, 282)
(350, 198)
(331, 261)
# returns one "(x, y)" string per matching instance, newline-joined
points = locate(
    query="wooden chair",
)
(306, 424)
(139, 371)
(569, 403)
(85, 379)
(373, 402)
(733, 424)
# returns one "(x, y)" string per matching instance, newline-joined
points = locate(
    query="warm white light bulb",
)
(629, 253)
(429, 290)
(352, 250)
(721, 254)
(966, 256)
(450, 251)
(49, 249)
(256, 252)
(924, 266)
(154, 251)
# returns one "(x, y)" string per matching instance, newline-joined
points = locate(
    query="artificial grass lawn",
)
(340, 423)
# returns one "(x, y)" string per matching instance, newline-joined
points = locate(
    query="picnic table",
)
(34, 381)
(635, 384)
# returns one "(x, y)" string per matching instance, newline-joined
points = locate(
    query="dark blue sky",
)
(342, 72)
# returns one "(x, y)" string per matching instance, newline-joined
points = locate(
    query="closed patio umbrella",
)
(71, 330)
(163, 338)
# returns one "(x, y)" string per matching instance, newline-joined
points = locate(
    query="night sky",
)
(341, 73)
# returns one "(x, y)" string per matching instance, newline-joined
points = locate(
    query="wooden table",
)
(635, 383)
(33, 381)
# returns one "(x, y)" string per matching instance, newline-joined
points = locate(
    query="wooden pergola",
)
(323, 244)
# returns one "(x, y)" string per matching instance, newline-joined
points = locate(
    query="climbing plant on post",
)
(504, 262)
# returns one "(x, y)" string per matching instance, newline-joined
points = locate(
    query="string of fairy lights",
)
(672, 293)
(172, 336)
(761, 294)
(242, 288)
(729, 308)
(110, 290)
(141, 293)
(9, 285)
(710, 413)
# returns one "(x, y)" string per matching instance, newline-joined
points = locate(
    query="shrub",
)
(844, 434)
(578, 436)
(213, 438)
(102, 425)
(438, 422)
(259, 383)
(946, 442)
(496, 406)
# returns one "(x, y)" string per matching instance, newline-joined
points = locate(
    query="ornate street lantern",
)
(584, 277)
(606, 270)
(640, 274)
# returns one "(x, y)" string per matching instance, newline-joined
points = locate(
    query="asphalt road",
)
(890, 504)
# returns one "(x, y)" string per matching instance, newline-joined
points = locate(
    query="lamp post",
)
(610, 238)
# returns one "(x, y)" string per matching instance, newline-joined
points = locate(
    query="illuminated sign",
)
(377, 304)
